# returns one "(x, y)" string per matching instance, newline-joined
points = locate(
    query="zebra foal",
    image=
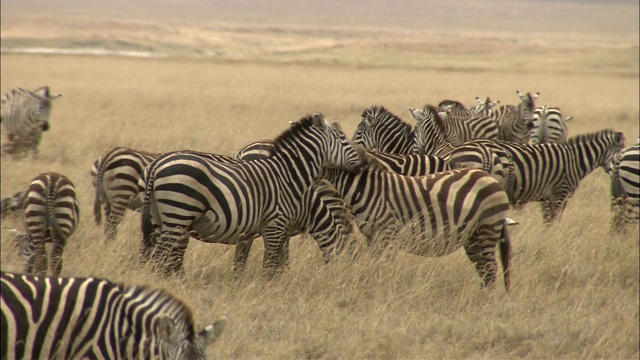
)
(73, 318)
(51, 215)
(24, 116)
(431, 215)
(224, 202)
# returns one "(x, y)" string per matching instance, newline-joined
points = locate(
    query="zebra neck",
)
(295, 168)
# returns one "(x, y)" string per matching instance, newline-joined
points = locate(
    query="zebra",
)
(431, 215)
(25, 115)
(484, 107)
(73, 318)
(410, 165)
(224, 202)
(548, 125)
(625, 187)
(115, 176)
(461, 127)
(381, 130)
(11, 204)
(550, 172)
(51, 214)
(515, 123)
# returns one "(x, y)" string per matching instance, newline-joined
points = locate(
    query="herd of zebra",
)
(445, 182)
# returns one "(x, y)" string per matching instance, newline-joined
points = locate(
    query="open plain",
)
(214, 76)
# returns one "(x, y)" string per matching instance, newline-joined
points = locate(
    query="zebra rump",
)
(73, 318)
(625, 188)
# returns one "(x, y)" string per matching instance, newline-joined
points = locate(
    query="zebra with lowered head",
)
(228, 202)
(625, 187)
(431, 215)
(548, 125)
(25, 115)
(51, 215)
(78, 318)
(12, 204)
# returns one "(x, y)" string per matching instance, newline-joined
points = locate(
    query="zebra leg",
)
(274, 241)
(243, 247)
(482, 254)
(553, 208)
(114, 217)
(37, 260)
(169, 251)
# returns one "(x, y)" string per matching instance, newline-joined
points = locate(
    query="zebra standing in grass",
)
(115, 176)
(25, 115)
(431, 215)
(515, 123)
(625, 187)
(410, 165)
(381, 130)
(74, 318)
(51, 214)
(227, 202)
(12, 204)
(548, 126)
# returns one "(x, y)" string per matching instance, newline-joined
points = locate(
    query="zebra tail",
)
(146, 225)
(97, 204)
(505, 255)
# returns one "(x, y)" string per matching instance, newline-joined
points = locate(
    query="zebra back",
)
(256, 150)
(51, 213)
(381, 130)
(409, 165)
(42, 317)
(117, 191)
(548, 125)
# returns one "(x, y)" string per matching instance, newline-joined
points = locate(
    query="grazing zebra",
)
(515, 123)
(13, 203)
(51, 214)
(25, 115)
(625, 187)
(484, 107)
(115, 176)
(383, 131)
(91, 318)
(224, 202)
(548, 126)
(431, 215)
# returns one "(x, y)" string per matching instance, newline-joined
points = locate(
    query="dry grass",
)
(575, 286)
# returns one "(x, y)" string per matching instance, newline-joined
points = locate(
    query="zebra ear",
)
(417, 114)
(568, 118)
(212, 332)
(165, 329)
(619, 138)
(336, 125)
(320, 122)
(535, 96)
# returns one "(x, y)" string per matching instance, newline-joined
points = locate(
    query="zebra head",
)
(343, 153)
(527, 105)
(430, 131)
(381, 130)
(173, 345)
(484, 107)
(13, 203)
(612, 143)
(24, 242)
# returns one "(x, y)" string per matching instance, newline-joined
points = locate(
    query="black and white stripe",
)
(548, 125)
(625, 187)
(225, 202)
(432, 215)
(461, 126)
(51, 214)
(383, 131)
(484, 107)
(115, 177)
(91, 318)
(25, 115)
(515, 122)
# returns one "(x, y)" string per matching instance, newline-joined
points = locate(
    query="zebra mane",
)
(296, 128)
(606, 133)
(380, 113)
(180, 311)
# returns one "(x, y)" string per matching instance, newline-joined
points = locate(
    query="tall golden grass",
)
(575, 285)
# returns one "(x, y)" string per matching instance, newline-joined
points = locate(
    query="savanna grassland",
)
(217, 84)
